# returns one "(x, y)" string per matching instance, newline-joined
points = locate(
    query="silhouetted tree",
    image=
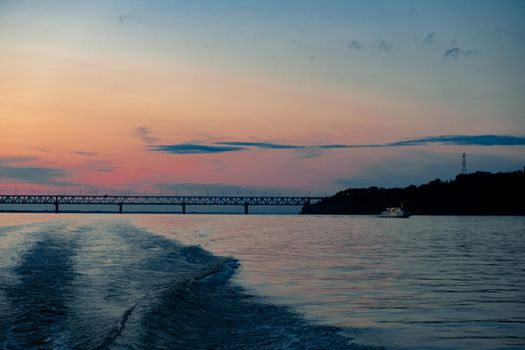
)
(479, 193)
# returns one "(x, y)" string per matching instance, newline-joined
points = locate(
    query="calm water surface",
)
(421, 283)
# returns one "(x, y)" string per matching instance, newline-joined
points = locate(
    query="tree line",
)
(480, 193)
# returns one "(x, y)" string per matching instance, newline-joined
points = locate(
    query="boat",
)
(395, 212)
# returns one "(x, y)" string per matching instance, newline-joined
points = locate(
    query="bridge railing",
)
(183, 201)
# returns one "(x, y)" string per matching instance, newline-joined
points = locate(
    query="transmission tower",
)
(463, 163)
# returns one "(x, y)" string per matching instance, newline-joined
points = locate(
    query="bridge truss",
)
(183, 201)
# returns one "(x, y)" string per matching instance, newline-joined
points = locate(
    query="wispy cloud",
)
(355, 45)
(270, 145)
(430, 38)
(192, 148)
(232, 146)
(343, 146)
(33, 174)
(145, 135)
(86, 154)
(10, 168)
(384, 46)
(456, 52)
(297, 43)
(473, 140)
(126, 18)
(104, 170)
(17, 159)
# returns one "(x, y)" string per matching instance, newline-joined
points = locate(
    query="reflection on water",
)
(99, 282)
(435, 282)
(425, 282)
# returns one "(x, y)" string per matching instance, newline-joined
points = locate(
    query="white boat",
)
(395, 212)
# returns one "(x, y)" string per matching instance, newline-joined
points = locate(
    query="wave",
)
(114, 286)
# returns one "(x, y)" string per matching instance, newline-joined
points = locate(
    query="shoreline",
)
(251, 214)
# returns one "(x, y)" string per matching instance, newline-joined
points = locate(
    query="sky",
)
(275, 97)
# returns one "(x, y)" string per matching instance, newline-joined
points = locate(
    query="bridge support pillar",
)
(246, 209)
(183, 208)
(120, 208)
(56, 207)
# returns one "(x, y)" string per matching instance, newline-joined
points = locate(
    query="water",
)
(251, 282)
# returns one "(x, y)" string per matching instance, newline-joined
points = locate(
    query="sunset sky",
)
(257, 96)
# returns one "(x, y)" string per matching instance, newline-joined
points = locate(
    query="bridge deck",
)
(183, 201)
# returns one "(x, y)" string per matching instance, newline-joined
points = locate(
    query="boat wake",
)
(115, 286)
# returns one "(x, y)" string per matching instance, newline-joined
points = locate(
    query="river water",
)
(139, 281)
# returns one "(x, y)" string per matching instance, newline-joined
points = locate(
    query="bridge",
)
(182, 201)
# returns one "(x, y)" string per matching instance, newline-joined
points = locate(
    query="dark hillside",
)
(479, 193)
